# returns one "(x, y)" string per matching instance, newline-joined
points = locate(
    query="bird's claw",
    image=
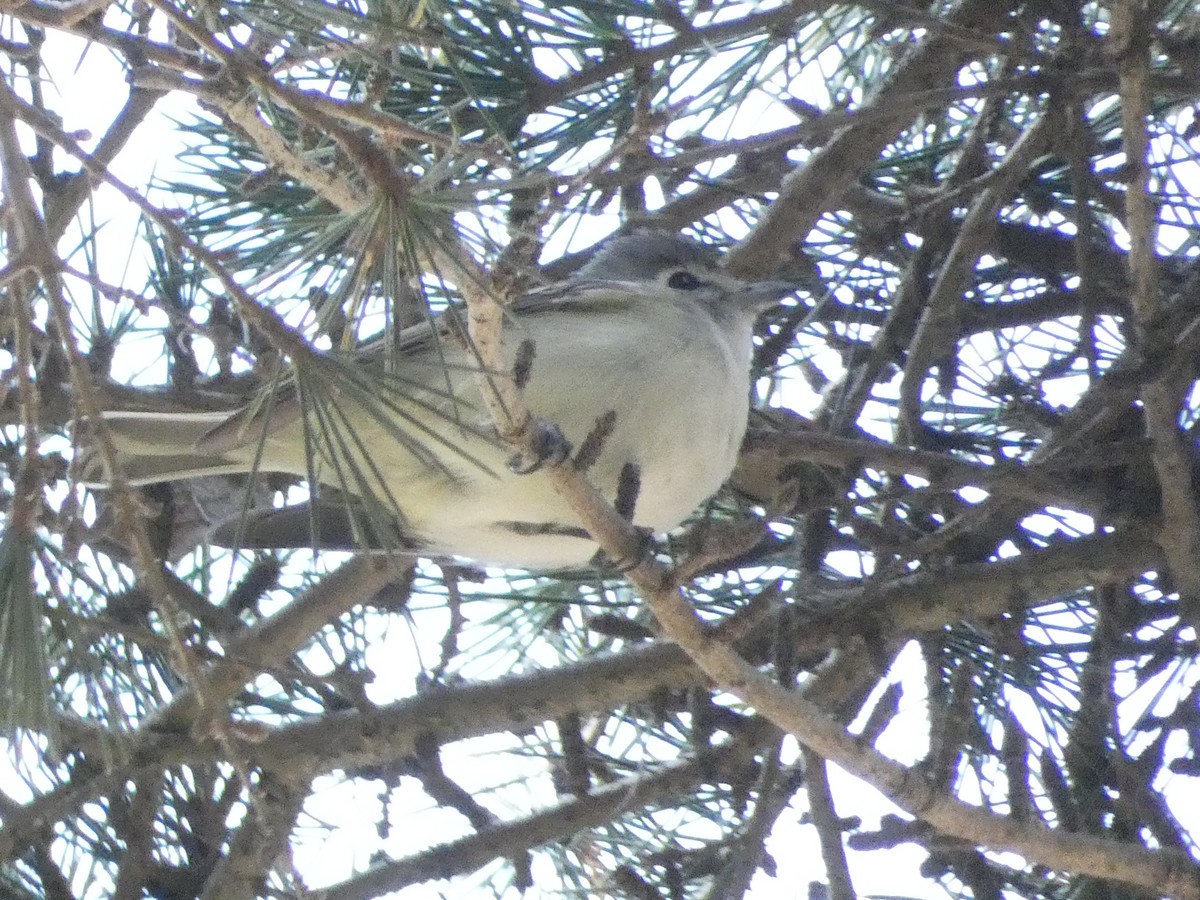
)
(627, 563)
(549, 446)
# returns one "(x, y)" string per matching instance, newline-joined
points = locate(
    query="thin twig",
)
(41, 256)
(557, 822)
(829, 827)
(939, 324)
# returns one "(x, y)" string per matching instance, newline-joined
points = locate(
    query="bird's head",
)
(686, 268)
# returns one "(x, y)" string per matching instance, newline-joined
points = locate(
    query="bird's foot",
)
(643, 550)
(549, 446)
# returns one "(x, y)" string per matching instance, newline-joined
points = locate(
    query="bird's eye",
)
(683, 281)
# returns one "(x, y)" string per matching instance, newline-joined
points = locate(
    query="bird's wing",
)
(580, 294)
(583, 294)
(271, 411)
(279, 407)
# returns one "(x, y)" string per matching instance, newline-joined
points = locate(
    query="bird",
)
(643, 356)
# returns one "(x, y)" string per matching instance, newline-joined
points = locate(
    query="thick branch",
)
(260, 842)
(809, 191)
(1165, 872)
(1180, 533)
(510, 838)
(349, 739)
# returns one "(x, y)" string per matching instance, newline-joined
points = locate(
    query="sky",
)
(91, 90)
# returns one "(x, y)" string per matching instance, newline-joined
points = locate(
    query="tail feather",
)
(143, 470)
(158, 446)
(160, 433)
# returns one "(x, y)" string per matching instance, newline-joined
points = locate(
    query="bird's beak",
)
(759, 296)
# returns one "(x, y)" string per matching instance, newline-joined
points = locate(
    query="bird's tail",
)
(159, 446)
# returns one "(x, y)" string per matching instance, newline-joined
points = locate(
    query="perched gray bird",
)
(644, 354)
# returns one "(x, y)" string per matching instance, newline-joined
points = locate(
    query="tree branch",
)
(562, 821)
(1180, 531)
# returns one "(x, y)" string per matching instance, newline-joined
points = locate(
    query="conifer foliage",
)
(959, 558)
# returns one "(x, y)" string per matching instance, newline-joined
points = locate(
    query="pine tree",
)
(958, 558)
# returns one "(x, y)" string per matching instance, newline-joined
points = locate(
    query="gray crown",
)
(642, 256)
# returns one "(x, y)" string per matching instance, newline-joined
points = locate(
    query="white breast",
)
(679, 385)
